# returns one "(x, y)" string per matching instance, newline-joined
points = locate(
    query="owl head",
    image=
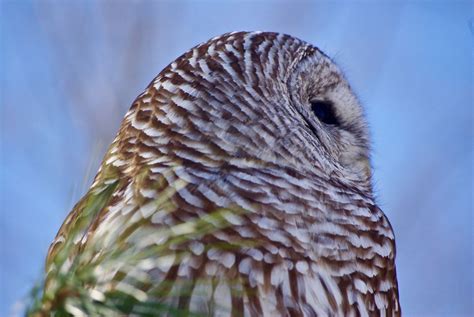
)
(250, 97)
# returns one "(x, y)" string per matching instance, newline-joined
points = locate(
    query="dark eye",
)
(324, 110)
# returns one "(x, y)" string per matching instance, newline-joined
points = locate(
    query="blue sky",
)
(69, 72)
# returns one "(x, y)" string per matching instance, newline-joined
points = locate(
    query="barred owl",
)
(239, 184)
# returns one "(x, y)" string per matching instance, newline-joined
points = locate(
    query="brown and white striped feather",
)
(257, 221)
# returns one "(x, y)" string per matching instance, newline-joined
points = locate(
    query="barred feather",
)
(224, 195)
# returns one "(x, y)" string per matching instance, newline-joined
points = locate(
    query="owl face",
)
(331, 111)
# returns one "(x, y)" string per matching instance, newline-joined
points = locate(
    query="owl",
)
(239, 184)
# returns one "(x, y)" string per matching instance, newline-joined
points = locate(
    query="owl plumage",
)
(239, 184)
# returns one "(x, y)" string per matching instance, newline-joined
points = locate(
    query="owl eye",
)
(324, 110)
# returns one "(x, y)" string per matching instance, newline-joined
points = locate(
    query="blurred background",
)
(70, 70)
